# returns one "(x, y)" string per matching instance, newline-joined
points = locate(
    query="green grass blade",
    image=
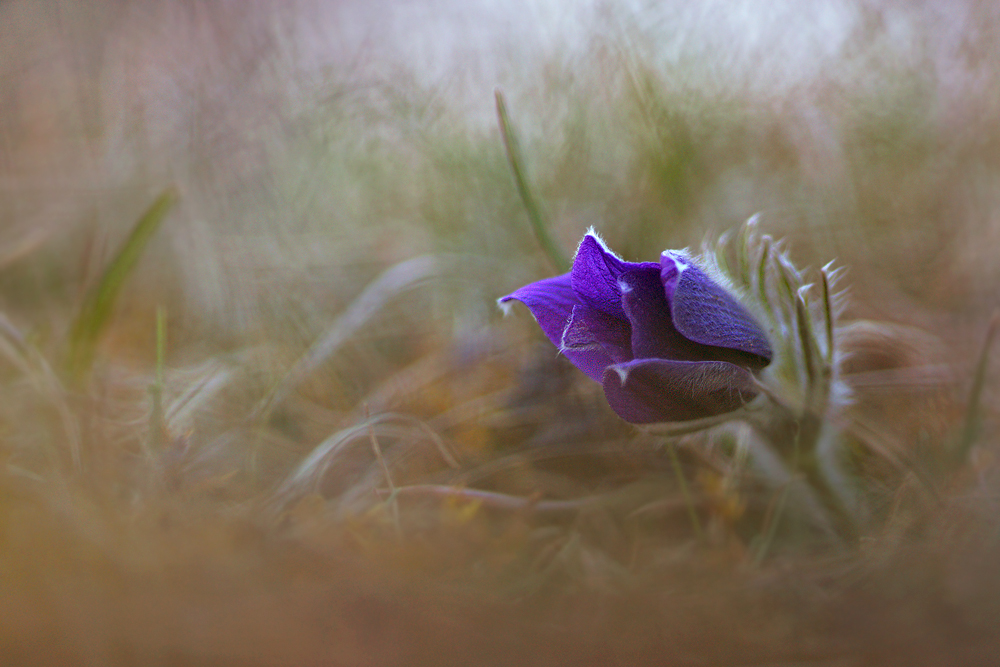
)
(157, 423)
(538, 223)
(100, 301)
(675, 463)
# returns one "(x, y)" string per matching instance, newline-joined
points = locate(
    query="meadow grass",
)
(258, 405)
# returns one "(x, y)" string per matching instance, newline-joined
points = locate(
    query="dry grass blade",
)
(315, 465)
(209, 379)
(394, 506)
(677, 429)
(392, 282)
(33, 366)
(12, 250)
(494, 499)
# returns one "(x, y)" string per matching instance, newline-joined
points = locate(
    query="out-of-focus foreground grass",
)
(228, 422)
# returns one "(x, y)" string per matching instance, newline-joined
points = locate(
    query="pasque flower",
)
(667, 342)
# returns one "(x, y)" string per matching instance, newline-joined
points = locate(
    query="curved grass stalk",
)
(539, 225)
(34, 366)
(492, 499)
(393, 281)
(314, 467)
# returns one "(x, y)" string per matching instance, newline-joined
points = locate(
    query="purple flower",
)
(666, 341)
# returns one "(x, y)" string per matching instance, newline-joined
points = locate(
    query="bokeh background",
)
(313, 321)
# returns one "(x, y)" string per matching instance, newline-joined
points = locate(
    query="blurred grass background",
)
(345, 218)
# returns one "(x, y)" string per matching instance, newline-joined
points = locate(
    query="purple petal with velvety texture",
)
(703, 311)
(667, 343)
(653, 332)
(593, 340)
(595, 275)
(645, 391)
(551, 301)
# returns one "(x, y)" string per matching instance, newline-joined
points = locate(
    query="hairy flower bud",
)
(667, 342)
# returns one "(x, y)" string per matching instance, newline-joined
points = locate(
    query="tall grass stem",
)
(539, 224)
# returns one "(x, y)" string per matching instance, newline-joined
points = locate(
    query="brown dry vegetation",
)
(345, 218)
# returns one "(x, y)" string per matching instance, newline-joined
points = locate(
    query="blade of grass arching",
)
(29, 361)
(377, 450)
(392, 282)
(970, 426)
(538, 222)
(208, 381)
(314, 466)
(100, 301)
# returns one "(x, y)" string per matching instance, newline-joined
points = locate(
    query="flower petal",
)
(593, 340)
(703, 311)
(595, 275)
(653, 332)
(551, 301)
(645, 391)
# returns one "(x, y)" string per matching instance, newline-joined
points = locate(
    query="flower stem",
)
(803, 432)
